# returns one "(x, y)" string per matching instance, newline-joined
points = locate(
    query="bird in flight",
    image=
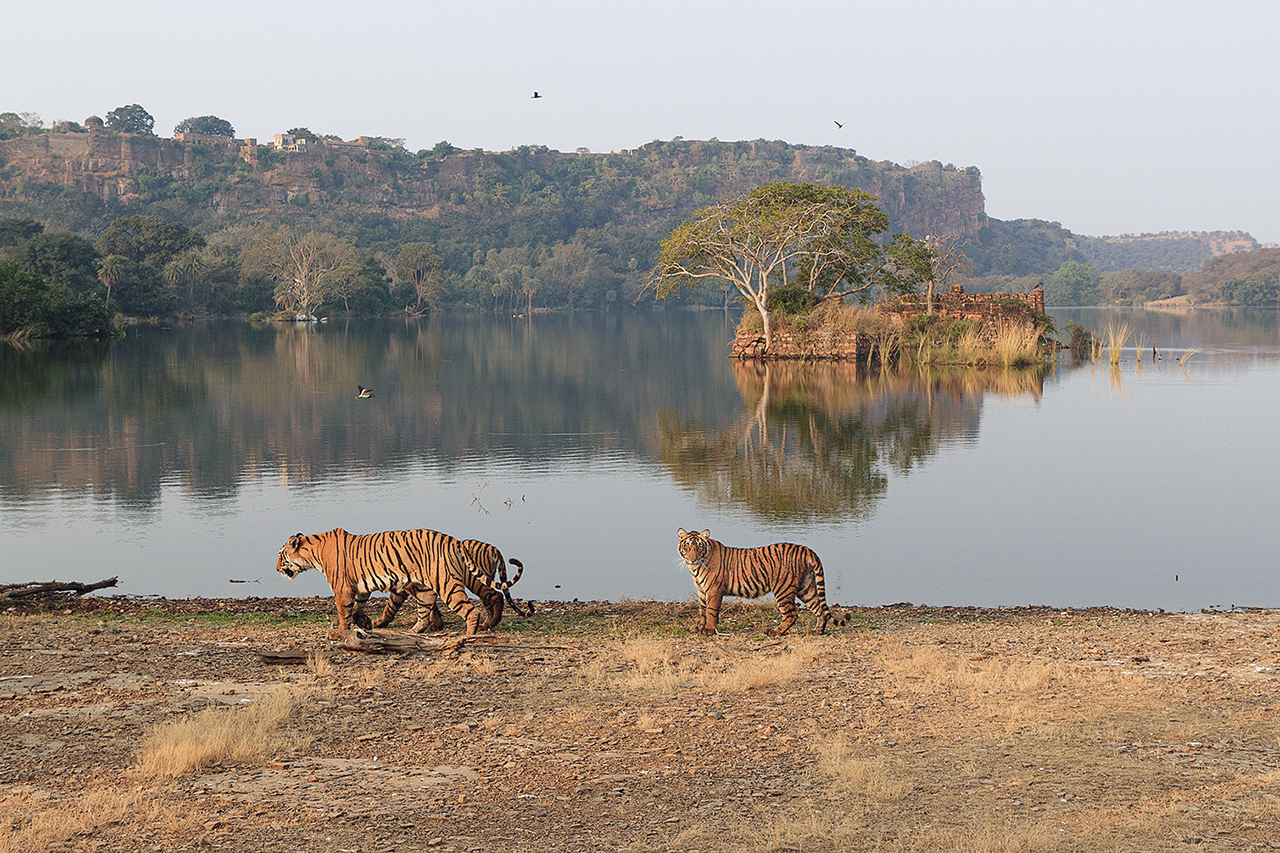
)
(838, 124)
(365, 393)
(536, 95)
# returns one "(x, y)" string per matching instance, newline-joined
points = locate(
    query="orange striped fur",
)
(787, 570)
(489, 563)
(396, 561)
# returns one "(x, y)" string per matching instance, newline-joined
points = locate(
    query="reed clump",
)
(244, 733)
(1117, 336)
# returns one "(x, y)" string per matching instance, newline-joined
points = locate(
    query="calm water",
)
(181, 459)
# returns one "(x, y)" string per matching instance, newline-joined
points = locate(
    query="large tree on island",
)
(419, 265)
(821, 239)
(300, 263)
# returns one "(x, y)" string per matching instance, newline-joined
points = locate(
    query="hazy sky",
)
(1110, 117)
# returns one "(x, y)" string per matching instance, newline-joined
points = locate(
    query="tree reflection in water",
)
(818, 441)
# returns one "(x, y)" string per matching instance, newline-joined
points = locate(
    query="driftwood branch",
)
(38, 590)
(374, 643)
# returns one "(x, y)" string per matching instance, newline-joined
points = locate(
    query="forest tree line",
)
(515, 231)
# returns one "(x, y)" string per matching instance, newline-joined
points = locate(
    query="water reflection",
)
(816, 442)
(215, 405)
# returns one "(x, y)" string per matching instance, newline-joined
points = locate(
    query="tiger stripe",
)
(489, 563)
(787, 570)
(396, 561)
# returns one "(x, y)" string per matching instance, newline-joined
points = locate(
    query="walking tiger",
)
(788, 571)
(396, 561)
(489, 562)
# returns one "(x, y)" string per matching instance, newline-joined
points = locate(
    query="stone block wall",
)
(790, 344)
(993, 310)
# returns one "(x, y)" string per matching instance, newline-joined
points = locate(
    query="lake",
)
(181, 459)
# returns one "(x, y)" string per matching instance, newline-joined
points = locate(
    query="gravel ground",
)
(597, 726)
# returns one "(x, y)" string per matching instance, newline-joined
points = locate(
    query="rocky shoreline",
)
(609, 726)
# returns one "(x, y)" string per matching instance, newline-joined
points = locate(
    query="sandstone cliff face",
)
(645, 187)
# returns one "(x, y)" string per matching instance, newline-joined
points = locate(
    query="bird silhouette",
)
(365, 393)
(838, 124)
(536, 95)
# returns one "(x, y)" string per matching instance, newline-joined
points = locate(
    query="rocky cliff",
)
(648, 187)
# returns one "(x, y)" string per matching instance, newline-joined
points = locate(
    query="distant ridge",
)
(618, 203)
(1176, 251)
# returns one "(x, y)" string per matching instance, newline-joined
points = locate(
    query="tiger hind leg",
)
(790, 615)
(813, 592)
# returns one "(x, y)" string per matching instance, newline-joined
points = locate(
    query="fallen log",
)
(375, 643)
(50, 589)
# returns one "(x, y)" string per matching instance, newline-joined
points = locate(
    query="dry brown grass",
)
(852, 775)
(319, 665)
(1016, 692)
(31, 821)
(655, 665)
(247, 733)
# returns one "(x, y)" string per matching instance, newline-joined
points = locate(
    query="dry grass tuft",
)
(320, 666)
(29, 822)
(1117, 336)
(854, 776)
(1015, 346)
(663, 666)
(247, 733)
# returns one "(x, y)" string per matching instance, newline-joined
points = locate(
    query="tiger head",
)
(293, 558)
(694, 547)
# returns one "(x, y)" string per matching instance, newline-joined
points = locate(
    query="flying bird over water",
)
(365, 393)
(838, 124)
(536, 95)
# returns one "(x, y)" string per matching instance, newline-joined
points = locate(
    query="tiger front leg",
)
(395, 600)
(429, 619)
(359, 616)
(709, 611)
(345, 600)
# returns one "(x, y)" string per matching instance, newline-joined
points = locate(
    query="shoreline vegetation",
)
(189, 724)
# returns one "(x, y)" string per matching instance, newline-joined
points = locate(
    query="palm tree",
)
(110, 270)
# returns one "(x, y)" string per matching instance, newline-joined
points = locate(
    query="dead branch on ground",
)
(38, 590)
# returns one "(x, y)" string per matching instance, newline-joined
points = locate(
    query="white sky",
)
(1110, 117)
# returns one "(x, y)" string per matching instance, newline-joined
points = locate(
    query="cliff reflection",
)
(211, 406)
(817, 441)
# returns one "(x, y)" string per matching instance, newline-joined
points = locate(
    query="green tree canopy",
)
(131, 119)
(822, 239)
(62, 259)
(19, 124)
(148, 240)
(1073, 284)
(30, 305)
(1252, 289)
(205, 124)
(14, 230)
(418, 265)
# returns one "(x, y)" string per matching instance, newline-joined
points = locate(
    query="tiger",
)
(392, 561)
(489, 562)
(787, 570)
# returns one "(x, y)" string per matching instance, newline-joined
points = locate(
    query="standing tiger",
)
(397, 561)
(788, 571)
(489, 562)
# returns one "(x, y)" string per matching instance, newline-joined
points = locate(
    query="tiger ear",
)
(706, 534)
(295, 541)
(681, 533)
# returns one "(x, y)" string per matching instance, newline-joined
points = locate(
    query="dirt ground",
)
(599, 727)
